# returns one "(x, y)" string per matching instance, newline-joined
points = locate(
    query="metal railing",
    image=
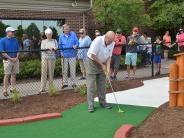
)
(29, 78)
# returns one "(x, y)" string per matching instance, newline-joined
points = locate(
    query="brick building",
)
(74, 12)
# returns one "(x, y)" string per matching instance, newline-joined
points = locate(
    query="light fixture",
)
(75, 4)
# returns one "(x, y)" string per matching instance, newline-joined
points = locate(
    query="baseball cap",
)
(10, 29)
(181, 29)
(118, 30)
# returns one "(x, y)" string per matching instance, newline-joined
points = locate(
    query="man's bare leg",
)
(134, 71)
(128, 70)
(6, 83)
(13, 81)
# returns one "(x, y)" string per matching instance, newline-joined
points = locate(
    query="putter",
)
(119, 109)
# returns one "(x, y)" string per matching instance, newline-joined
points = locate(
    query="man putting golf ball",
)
(97, 67)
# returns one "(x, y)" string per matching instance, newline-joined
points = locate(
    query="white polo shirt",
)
(99, 49)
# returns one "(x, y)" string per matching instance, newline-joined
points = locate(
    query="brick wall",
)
(75, 20)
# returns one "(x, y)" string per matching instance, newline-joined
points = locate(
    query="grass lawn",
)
(78, 123)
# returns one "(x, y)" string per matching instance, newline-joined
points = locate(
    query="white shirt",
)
(99, 49)
(46, 44)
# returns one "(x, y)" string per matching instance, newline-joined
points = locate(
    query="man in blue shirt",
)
(68, 39)
(10, 60)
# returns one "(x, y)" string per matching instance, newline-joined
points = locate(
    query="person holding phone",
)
(120, 41)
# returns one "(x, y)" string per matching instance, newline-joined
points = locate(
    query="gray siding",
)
(45, 5)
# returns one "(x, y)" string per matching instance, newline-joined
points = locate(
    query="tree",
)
(19, 32)
(124, 14)
(55, 33)
(2, 29)
(44, 28)
(60, 22)
(167, 15)
(32, 30)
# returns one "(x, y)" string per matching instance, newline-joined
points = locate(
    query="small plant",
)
(107, 85)
(82, 89)
(52, 91)
(15, 96)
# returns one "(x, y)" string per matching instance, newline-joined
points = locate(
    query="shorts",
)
(115, 61)
(181, 48)
(131, 59)
(10, 67)
(157, 59)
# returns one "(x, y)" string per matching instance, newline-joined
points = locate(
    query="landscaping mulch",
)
(41, 104)
(165, 122)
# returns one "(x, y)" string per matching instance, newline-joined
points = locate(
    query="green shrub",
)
(82, 89)
(52, 91)
(15, 96)
(172, 53)
(107, 85)
(31, 68)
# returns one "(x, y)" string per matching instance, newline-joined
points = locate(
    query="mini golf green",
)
(78, 123)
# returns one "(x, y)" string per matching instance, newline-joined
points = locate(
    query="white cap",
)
(10, 29)
(48, 31)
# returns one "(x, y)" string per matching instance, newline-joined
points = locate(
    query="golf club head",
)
(120, 111)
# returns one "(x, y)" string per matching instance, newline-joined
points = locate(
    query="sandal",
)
(5, 94)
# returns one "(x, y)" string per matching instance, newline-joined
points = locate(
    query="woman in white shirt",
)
(48, 59)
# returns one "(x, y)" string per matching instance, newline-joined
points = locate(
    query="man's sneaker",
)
(64, 86)
(115, 78)
(74, 86)
(82, 78)
(105, 105)
(127, 78)
(11, 90)
(132, 78)
(157, 74)
(91, 109)
(112, 78)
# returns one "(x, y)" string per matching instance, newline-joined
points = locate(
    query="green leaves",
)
(52, 91)
(112, 14)
(15, 96)
(167, 15)
(32, 30)
(82, 89)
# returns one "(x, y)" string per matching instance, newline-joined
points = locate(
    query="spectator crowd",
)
(72, 47)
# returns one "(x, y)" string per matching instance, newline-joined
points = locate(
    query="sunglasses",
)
(81, 33)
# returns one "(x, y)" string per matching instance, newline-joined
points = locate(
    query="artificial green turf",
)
(78, 123)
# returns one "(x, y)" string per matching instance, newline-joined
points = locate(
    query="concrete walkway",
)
(33, 87)
(152, 94)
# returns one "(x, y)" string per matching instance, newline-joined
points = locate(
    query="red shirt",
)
(167, 40)
(180, 39)
(118, 48)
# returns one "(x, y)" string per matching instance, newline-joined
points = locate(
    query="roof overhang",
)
(47, 5)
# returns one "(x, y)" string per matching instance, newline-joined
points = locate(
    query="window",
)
(39, 25)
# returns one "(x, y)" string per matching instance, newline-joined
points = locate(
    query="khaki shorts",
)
(11, 67)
